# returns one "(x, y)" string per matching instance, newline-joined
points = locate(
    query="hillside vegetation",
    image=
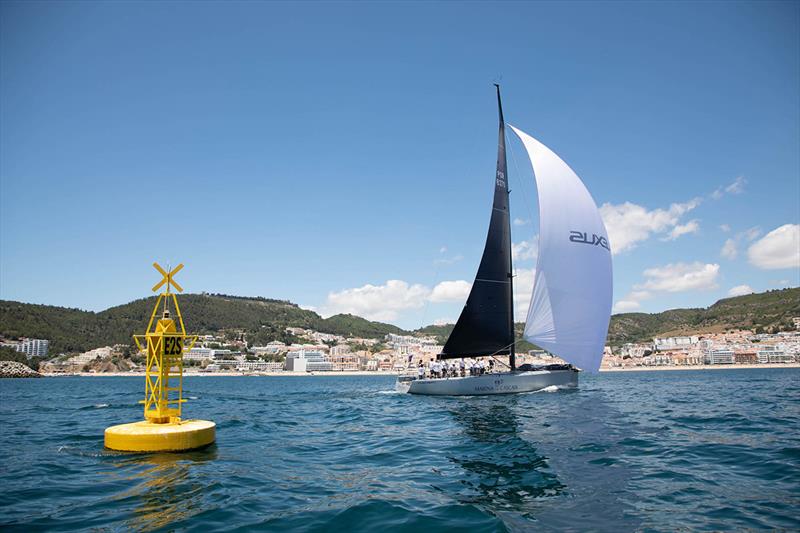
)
(763, 312)
(261, 319)
(766, 311)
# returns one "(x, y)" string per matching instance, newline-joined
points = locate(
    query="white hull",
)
(500, 383)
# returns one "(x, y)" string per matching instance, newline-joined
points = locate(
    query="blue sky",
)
(341, 155)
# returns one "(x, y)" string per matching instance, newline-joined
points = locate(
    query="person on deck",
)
(421, 371)
(462, 365)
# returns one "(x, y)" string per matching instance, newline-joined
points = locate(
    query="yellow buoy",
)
(162, 429)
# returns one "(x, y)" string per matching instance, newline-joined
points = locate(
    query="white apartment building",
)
(667, 343)
(307, 361)
(770, 354)
(271, 348)
(720, 356)
(33, 347)
(198, 354)
(260, 366)
(91, 355)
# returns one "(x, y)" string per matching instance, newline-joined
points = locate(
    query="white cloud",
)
(450, 291)
(682, 229)
(741, 290)
(521, 221)
(780, 248)
(443, 321)
(729, 250)
(724, 227)
(386, 302)
(639, 295)
(625, 306)
(377, 302)
(737, 187)
(678, 277)
(629, 224)
(750, 234)
(520, 251)
(443, 250)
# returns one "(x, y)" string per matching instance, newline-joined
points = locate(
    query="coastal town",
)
(229, 352)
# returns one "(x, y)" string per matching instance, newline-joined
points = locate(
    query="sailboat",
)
(570, 304)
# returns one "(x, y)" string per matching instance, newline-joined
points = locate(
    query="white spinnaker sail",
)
(571, 301)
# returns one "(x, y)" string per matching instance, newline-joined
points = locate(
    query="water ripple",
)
(654, 451)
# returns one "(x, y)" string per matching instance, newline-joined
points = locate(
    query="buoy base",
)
(146, 436)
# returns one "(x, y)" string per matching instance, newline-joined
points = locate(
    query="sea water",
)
(700, 450)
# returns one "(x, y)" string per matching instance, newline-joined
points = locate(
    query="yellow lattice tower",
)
(164, 344)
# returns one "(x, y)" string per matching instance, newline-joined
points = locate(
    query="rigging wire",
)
(438, 264)
(520, 183)
(518, 175)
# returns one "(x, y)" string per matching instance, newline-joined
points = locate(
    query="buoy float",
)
(162, 429)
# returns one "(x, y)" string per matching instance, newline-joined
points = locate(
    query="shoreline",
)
(699, 367)
(226, 374)
(667, 368)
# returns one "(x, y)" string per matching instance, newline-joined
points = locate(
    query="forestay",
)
(571, 300)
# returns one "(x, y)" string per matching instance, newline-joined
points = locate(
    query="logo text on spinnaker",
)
(583, 237)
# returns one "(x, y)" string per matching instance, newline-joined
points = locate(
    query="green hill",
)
(766, 311)
(262, 319)
(355, 326)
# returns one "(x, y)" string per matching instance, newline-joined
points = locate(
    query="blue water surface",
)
(699, 450)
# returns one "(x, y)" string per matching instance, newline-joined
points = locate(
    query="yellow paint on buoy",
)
(146, 436)
(162, 429)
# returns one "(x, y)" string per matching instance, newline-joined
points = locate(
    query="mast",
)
(501, 167)
(486, 324)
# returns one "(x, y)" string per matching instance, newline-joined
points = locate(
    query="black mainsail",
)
(486, 324)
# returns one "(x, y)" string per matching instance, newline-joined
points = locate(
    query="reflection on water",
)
(168, 487)
(502, 470)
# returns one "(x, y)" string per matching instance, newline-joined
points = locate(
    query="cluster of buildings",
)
(30, 347)
(728, 348)
(324, 352)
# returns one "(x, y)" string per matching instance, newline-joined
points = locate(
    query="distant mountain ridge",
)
(760, 311)
(264, 319)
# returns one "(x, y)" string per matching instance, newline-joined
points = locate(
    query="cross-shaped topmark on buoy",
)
(168, 277)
